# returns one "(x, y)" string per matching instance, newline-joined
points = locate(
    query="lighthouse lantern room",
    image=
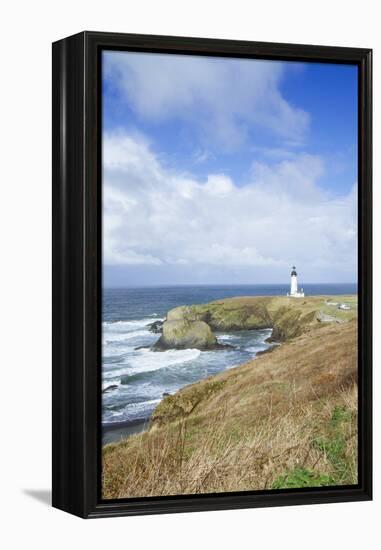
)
(294, 286)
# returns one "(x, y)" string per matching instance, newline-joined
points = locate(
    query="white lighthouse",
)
(294, 286)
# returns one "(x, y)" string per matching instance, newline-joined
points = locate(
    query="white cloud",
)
(153, 216)
(222, 98)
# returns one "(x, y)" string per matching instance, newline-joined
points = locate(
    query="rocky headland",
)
(194, 326)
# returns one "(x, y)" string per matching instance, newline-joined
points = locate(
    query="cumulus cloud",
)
(223, 99)
(154, 216)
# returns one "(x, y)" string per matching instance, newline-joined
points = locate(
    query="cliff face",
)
(288, 317)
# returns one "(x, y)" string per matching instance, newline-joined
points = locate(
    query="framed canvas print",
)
(211, 274)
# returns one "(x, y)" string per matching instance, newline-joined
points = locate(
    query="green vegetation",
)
(337, 450)
(300, 477)
(334, 444)
(340, 415)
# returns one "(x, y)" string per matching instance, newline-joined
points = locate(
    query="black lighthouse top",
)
(293, 272)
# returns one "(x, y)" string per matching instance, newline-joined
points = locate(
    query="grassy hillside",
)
(285, 419)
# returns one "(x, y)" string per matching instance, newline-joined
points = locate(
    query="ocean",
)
(141, 377)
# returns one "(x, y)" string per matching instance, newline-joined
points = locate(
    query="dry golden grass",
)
(166, 461)
(285, 419)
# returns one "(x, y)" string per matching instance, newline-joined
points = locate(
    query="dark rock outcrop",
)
(110, 388)
(183, 334)
(156, 327)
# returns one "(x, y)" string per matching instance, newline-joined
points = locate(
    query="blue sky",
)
(225, 171)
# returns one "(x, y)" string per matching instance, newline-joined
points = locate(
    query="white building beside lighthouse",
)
(294, 286)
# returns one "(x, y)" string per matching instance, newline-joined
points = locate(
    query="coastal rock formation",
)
(183, 334)
(289, 318)
(226, 314)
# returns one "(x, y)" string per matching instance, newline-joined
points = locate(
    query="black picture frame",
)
(76, 152)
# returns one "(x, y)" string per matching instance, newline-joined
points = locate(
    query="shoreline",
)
(114, 433)
(119, 431)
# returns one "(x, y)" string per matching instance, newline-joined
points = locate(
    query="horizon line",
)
(219, 285)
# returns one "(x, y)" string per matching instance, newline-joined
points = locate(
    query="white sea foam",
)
(131, 411)
(110, 350)
(142, 405)
(147, 360)
(114, 415)
(120, 331)
(127, 326)
(111, 374)
(121, 336)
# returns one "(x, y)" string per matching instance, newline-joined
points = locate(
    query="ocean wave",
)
(143, 405)
(148, 360)
(121, 336)
(132, 411)
(115, 373)
(126, 326)
(112, 352)
(113, 416)
(120, 331)
(145, 361)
